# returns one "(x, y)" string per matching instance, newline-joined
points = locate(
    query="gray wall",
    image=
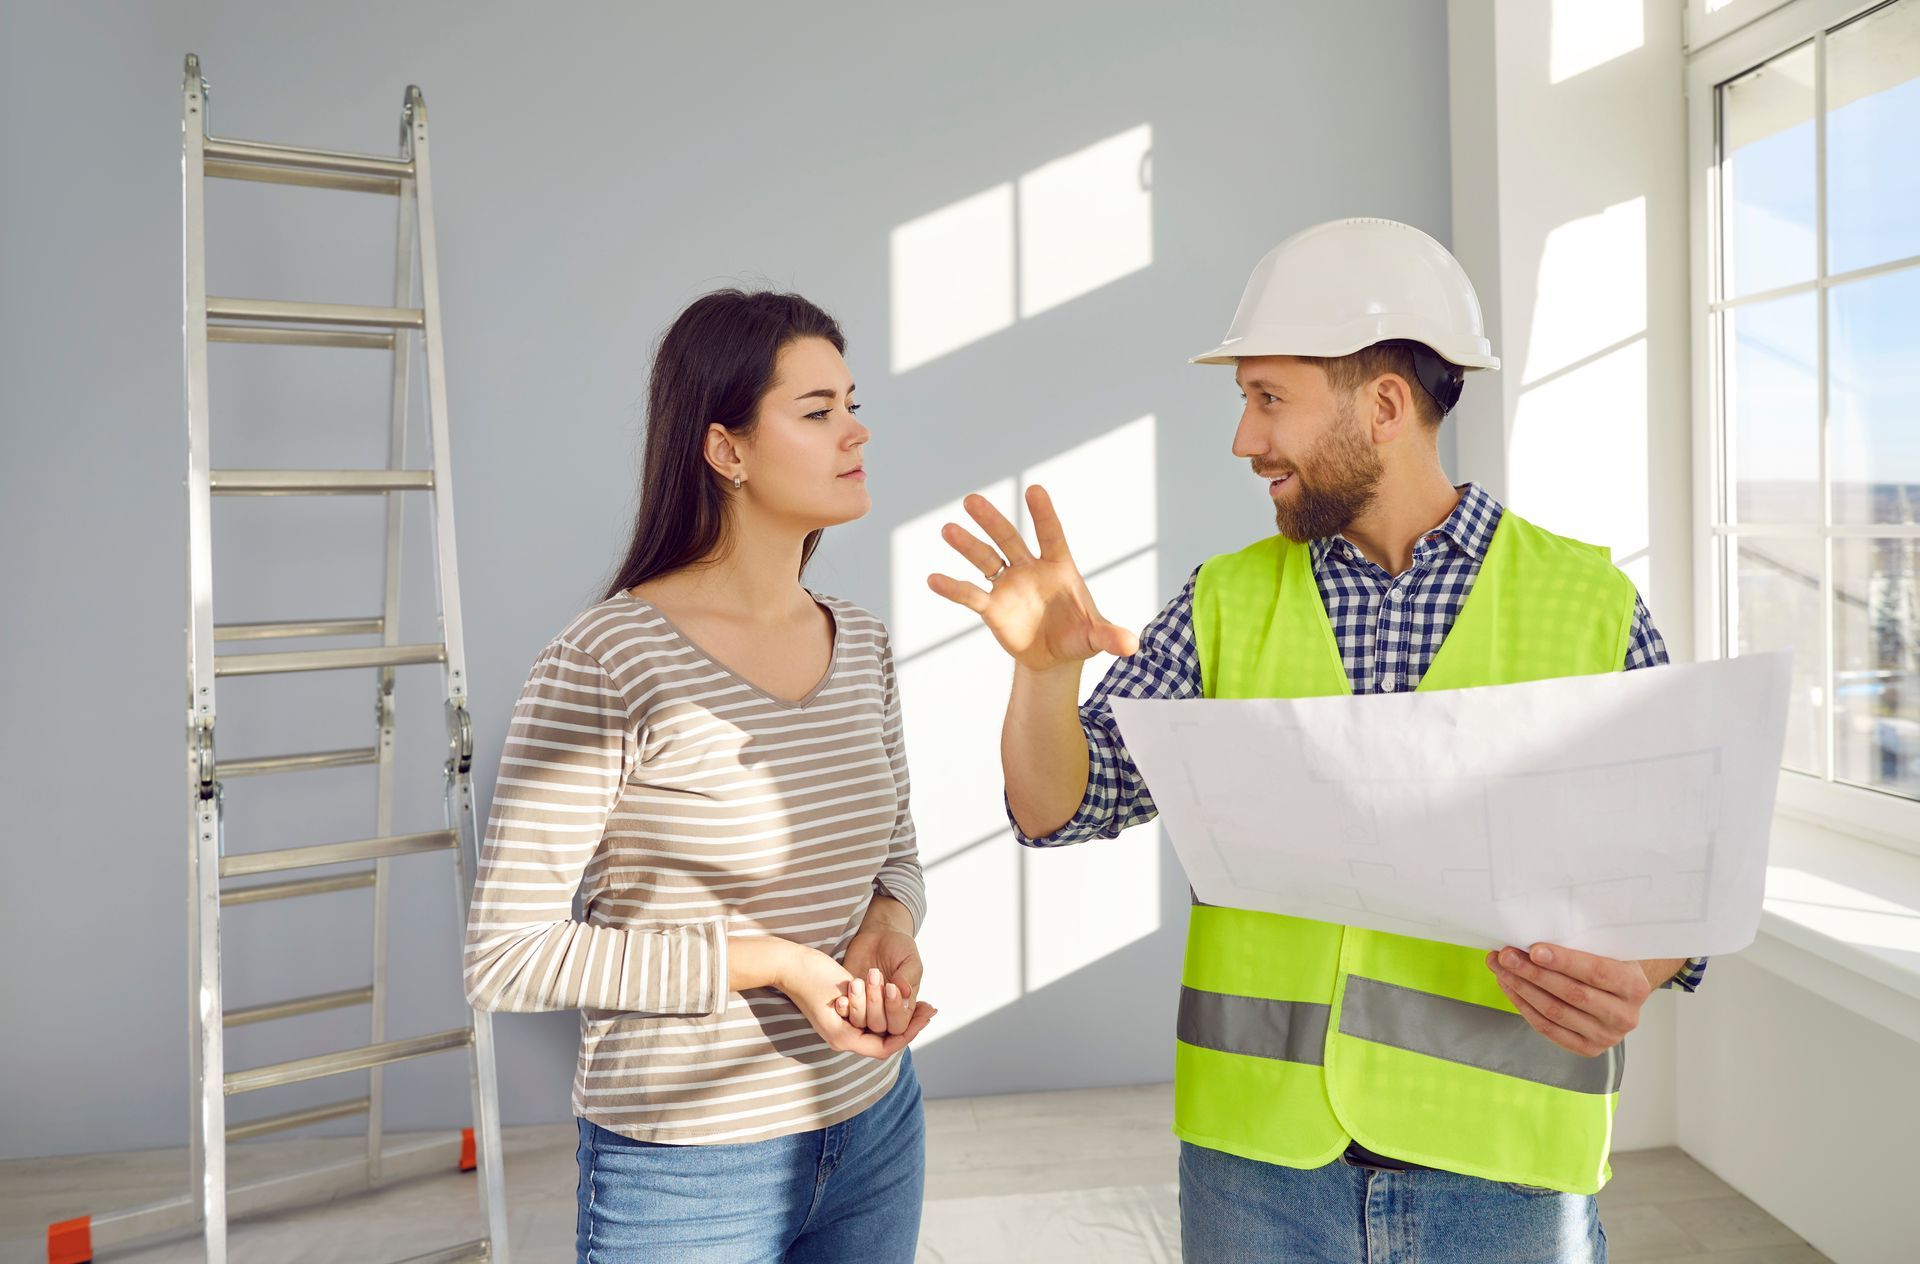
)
(596, 167)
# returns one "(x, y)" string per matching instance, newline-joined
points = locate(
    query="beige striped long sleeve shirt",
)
(673, 803)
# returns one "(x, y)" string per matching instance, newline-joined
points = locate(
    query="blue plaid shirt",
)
(1388, 628)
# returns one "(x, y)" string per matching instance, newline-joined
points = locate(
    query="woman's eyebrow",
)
(824, 393)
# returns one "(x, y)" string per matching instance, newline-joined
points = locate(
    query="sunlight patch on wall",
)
(1062, 230)
(1006, 920)
(1590, 33)
(951, 277)
(1591, 290)
(1085, 220)
(1579, 445)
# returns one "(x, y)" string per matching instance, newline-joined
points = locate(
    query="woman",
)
(711, 757)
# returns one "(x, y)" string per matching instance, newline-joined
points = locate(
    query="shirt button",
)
(1396, 594)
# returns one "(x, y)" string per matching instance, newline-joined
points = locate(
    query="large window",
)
(1806, 131)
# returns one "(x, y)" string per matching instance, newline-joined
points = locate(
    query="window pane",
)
(1767, 189)
(1775, 605)
(1873, 115)
(1773, 410)
(1876, 688)
(1874, 394)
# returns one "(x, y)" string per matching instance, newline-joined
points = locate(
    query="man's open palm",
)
(1038, 608)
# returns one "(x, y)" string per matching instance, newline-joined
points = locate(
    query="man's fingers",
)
(1559, 1013)
(1607, 1011)
(998, 529)
(972, 596)
(1115, 639)
(1047, 530)
(970, 546)
(1605, 973)
(1570, 1040)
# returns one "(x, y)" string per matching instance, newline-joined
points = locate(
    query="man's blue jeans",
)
(1235, 1209)
(849, 1191)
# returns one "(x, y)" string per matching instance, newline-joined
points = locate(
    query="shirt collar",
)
(1468, 529)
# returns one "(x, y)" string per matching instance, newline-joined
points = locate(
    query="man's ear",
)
(1392, 398)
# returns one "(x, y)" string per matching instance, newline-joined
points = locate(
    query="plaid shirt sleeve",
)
(1646, 648)
(1167, 665)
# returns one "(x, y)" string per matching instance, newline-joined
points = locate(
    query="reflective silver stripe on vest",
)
(1473, 1035)
(1290, 1031)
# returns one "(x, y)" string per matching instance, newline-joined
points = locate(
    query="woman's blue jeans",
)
(849, 1191)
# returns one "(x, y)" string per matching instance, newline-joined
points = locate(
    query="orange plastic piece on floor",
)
(70, 1241)
(468, 1161)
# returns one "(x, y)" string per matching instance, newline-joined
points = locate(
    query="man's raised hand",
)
(1038, 608)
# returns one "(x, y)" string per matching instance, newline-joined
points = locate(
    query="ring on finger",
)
(998, 573)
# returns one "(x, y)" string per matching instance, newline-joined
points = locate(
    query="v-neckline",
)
(792, 704)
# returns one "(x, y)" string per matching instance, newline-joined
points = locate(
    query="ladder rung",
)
(304, 1187)
(261, 153)
(286, 312)
(296, 763)
(298, 1005)
(312, 627)
(327, 660)
(479, 1249)
(250, 863)
(325, 1064)
(298, 1119)
(317, 482)
(221, 169)
(296, 337)
(296, 887)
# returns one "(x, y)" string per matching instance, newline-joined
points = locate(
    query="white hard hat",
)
(1338, 287)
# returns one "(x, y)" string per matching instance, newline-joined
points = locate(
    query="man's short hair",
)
(1351, 372)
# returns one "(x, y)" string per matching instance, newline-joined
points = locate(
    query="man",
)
(1343, 1094)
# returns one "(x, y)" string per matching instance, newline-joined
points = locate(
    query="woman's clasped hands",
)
(872, 1013)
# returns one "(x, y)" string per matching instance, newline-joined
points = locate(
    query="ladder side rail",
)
(459, 786)
(207, 1145)
(402, 395)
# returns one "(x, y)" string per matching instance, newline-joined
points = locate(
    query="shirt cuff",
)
(911, 900)
(1084, 824)
(1688, 977)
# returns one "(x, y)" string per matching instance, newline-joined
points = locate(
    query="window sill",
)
(1842, 919)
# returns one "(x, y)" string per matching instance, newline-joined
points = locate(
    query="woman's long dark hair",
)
(714, 364)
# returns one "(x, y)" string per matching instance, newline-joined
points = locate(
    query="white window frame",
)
(1873, 814)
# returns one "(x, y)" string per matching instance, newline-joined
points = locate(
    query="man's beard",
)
(1334, 484)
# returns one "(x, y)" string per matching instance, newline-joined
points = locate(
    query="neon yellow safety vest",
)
(1295, 1035)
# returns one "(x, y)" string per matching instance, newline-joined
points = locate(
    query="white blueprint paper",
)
(1624, 814)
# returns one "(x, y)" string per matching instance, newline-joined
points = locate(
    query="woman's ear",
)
(724, 455)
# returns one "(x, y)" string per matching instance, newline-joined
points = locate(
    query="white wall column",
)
(1568, 137)
(1568, 130)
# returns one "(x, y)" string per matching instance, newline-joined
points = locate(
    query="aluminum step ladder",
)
(210, 1201)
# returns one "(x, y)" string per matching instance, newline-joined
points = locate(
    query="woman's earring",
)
(737, 480)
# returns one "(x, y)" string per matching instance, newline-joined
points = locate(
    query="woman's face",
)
(805, 463)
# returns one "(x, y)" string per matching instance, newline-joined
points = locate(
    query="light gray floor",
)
(1084, 1175)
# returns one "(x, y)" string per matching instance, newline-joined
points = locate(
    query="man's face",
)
(1308, 442)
